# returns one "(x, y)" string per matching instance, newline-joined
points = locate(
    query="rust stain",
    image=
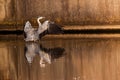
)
(62, 11)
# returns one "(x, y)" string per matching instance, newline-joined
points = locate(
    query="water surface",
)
(60, 59)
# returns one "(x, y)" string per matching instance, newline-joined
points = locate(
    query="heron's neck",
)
(39, 23)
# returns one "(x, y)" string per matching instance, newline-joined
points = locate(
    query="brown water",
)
(60, 59)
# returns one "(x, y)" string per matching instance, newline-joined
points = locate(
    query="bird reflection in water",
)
(47, 55)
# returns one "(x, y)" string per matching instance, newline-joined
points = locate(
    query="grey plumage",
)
(30, 32)
(54, 28)
(47, 27)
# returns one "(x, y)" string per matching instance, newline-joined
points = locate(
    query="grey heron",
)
(47, 27)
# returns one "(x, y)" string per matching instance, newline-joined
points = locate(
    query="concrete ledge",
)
(70, 36)
(92, 27)
(74, 27)
(65, 36)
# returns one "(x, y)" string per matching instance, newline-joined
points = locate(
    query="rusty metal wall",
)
(63, 11)
(7, 10)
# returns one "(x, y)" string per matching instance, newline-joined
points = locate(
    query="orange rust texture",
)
(62, 11)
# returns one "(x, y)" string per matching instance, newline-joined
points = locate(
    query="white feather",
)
(43, 27)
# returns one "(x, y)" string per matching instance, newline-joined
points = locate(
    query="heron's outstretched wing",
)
(28, 27)
(43, 27)
(49, 28)
(54, 28)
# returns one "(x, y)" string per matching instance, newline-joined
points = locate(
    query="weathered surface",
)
(62, 11)
(2, 10)
(73, 11)
(7, 10)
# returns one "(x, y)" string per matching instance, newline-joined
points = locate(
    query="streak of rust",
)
(65, 12)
